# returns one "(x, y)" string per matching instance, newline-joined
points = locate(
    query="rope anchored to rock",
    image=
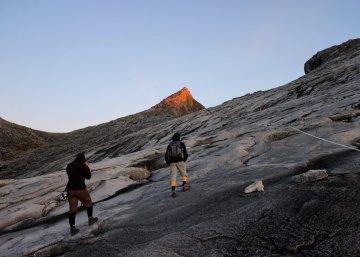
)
(332, 142)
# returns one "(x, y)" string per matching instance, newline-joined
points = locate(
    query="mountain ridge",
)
(19, 141)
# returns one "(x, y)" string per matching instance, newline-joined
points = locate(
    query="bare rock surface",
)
(246, 139)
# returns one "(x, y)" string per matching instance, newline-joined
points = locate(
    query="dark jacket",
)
(174, 159)
(77, 172)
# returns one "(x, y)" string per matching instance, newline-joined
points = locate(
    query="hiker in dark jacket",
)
(176, 156)
(77, 172)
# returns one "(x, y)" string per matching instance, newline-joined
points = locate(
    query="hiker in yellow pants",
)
(176, 156)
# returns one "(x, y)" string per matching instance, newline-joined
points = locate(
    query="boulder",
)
(356, 142)
(139, 174)
(341, 117)
(277, 135)
(256, 186)
(310, 176)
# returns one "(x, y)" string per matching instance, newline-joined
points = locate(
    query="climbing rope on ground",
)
(332, 142)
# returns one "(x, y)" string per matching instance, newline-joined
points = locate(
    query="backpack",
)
(175, 149)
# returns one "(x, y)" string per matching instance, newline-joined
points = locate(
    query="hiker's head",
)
(176, 137)
(80, 157)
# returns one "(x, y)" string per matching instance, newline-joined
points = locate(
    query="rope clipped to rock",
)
(331, 142)
(308, 176)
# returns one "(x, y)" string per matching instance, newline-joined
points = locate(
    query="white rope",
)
(346, 146)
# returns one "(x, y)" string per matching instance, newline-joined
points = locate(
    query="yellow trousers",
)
(175, 167)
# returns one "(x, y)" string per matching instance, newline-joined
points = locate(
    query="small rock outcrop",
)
(332, 53)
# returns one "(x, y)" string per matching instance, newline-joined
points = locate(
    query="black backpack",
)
(175, 149)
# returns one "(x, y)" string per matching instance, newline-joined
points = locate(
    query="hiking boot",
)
(74, 231)
(92, 220)
(186, 188)
(173, 194)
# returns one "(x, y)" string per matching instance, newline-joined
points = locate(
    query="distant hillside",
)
(15, 140)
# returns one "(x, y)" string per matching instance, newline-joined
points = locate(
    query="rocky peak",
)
(346, 50)
(179, 103)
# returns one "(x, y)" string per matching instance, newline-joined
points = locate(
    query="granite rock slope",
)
(246, 139)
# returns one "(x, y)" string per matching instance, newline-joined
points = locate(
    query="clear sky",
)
(68, 64)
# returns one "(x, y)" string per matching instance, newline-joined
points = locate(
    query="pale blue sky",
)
(68, 64)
